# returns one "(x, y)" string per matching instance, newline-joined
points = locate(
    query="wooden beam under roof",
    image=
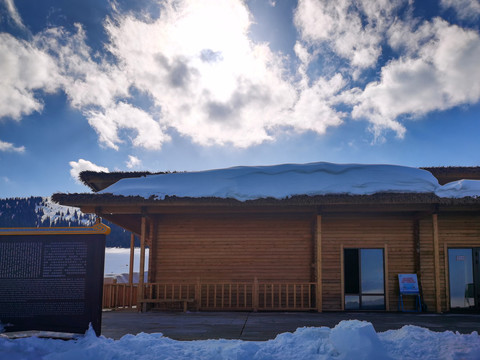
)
(446, 174)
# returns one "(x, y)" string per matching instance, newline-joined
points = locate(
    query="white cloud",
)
(148, 132)
(133, 162)
(465, 9)
(354, 30)
(23, 70)
(315, 109)
(439, 74)
(199, 67)
(13, 12)
(206, 80)
(6, 146)
(85, 81)
(83, 165)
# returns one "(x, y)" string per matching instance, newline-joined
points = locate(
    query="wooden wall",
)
(426, 277)
(234, 247)
(280, 247)
(392, 232)
(455, 230)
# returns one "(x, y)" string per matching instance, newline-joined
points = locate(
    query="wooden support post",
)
(152, 253)
(436, 258)
(447, 276)
(342, 277)
(318, 262)
(132, 257)
(387, 287)
(141, 278)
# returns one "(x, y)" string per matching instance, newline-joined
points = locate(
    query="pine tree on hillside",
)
(29, 212)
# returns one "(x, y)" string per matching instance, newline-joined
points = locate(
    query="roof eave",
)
(79, 200)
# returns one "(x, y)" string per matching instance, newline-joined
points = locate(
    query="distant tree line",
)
(36, 211)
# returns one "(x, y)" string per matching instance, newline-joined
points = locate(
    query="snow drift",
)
(351, 339)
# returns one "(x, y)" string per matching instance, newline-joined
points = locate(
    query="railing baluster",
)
(238, 298)
(301, 296)
(279, 296)
(294, 296)
(310, 296)
(273, 303)
(223, 289)
(245, 295)
(286, 296)
(208, 294)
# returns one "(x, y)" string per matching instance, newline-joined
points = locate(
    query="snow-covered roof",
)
(283, 181)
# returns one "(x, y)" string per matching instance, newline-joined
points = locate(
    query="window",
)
(364, 279)
(464, 274)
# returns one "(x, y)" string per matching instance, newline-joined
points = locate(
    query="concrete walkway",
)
(264, 326)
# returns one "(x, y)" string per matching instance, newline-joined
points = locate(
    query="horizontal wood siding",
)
(365, 231)
(427, 268)
(217, 248)
(234, 247)
(456, 231)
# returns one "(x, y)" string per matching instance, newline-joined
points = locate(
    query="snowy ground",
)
(351, 339)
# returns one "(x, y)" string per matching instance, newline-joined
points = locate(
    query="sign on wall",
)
(52, 278)
(408, 283)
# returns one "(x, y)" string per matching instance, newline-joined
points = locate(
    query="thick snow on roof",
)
(283, 181)
(459, 189)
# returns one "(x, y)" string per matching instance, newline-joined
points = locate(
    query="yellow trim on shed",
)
(95, 229)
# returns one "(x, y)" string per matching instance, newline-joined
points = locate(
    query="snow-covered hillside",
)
(54, 213)
(39, 211)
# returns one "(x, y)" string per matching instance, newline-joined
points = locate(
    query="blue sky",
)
(194, 85)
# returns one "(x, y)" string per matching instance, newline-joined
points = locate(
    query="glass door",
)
(364, 279)
(463, 267)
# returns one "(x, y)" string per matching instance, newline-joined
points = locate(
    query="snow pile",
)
(357, 340)
(348, 340)
(282, 181)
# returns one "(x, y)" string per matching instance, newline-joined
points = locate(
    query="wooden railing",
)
(118, 296)
(286, 296)
(225, 296)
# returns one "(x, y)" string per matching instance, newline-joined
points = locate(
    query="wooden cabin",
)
(323, 252)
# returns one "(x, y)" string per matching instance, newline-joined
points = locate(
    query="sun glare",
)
(219, 29)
